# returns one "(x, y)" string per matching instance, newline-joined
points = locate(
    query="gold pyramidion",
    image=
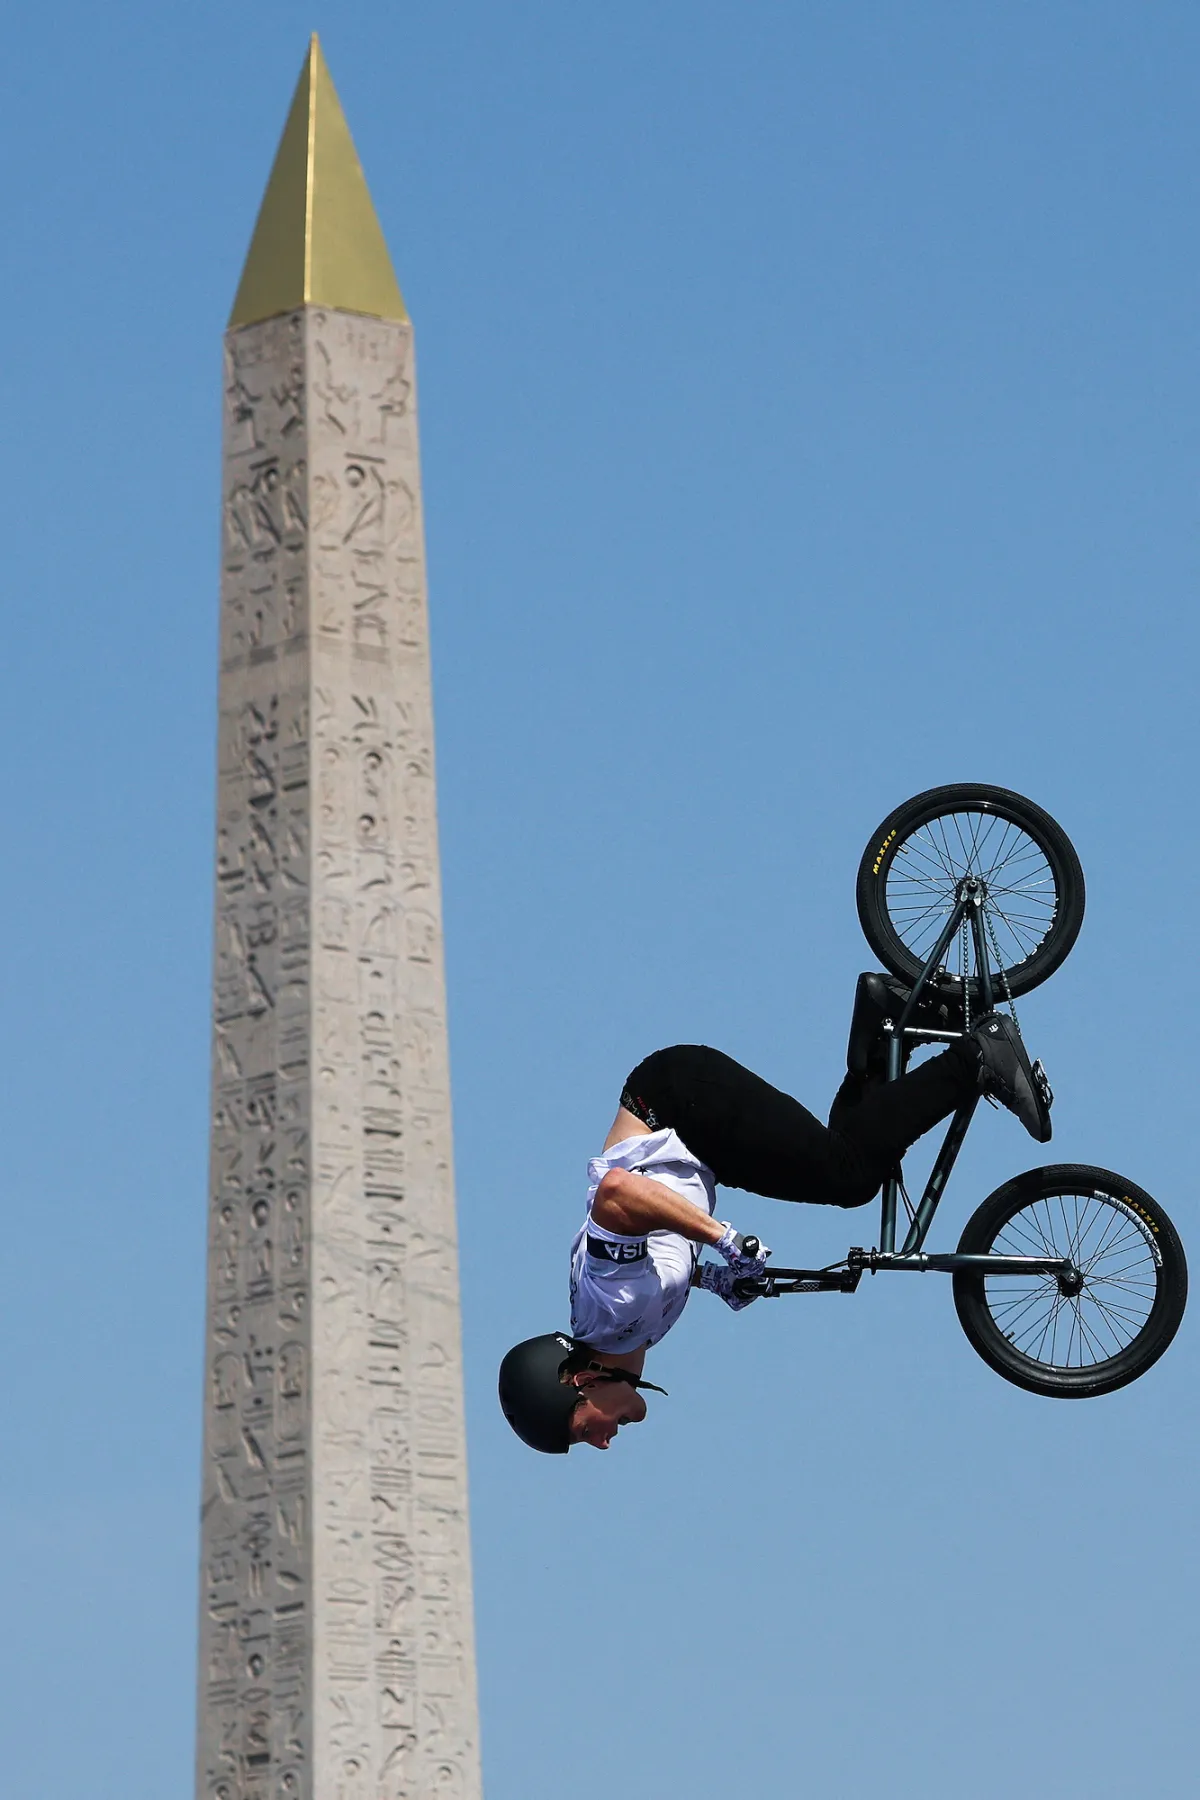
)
(317, 241)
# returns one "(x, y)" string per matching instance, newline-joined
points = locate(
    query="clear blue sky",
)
(810, 401)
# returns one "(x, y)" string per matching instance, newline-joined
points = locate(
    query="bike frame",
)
(844, 1277)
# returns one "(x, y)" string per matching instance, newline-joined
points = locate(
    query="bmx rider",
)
(689, 1118)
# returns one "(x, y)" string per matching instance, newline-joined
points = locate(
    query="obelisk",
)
(337, 1657)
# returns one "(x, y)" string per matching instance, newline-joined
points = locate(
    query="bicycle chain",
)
(964, 959)
(1000, 969)
(988, 927)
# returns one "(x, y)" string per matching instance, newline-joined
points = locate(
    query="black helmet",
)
(536, 1403)
(535, 1399)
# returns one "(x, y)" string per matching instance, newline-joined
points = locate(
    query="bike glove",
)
(727, 1283)
(732, 1247)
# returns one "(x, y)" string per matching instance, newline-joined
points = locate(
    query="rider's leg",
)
(887, 1117)
(753, 1136)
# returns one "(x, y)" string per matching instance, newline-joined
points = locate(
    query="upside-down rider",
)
(691, 1118)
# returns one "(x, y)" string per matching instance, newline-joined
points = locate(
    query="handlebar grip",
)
(750, 1246)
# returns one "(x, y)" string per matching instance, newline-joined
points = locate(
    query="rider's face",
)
(607, 1406)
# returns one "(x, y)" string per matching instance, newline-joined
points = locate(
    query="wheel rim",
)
(1021, 890)
(1114, 1250)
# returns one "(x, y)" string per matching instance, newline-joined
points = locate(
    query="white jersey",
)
(629, 1291)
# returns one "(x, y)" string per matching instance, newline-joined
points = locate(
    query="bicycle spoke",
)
(922, 884)
(1100, 1351)
(1113, 1253)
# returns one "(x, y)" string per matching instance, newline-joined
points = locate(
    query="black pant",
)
(753, 1136)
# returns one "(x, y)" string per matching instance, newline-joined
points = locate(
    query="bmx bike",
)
(1068, 1280)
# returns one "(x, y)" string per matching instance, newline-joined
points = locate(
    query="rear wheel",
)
(1035, 1332)
(1031, 879)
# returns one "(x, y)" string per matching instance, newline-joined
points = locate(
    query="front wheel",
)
(1128, 1309)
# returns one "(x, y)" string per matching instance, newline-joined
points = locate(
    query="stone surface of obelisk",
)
(336, 1656)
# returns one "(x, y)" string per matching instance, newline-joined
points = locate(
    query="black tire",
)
(910, 868)
(1135, 1282)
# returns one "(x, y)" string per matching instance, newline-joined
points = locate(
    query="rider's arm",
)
(628, 1204)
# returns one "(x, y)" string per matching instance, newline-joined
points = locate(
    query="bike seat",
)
(878, 997)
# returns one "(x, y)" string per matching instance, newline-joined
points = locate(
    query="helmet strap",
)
(635, 1381)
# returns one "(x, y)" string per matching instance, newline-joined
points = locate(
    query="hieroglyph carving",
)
(337, 1659)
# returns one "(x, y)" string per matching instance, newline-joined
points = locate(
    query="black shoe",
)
(1006, 1073)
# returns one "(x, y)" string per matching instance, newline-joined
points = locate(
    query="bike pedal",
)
(1042, 1083)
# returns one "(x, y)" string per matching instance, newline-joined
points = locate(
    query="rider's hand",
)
(732, 1247)
(726, 1283)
